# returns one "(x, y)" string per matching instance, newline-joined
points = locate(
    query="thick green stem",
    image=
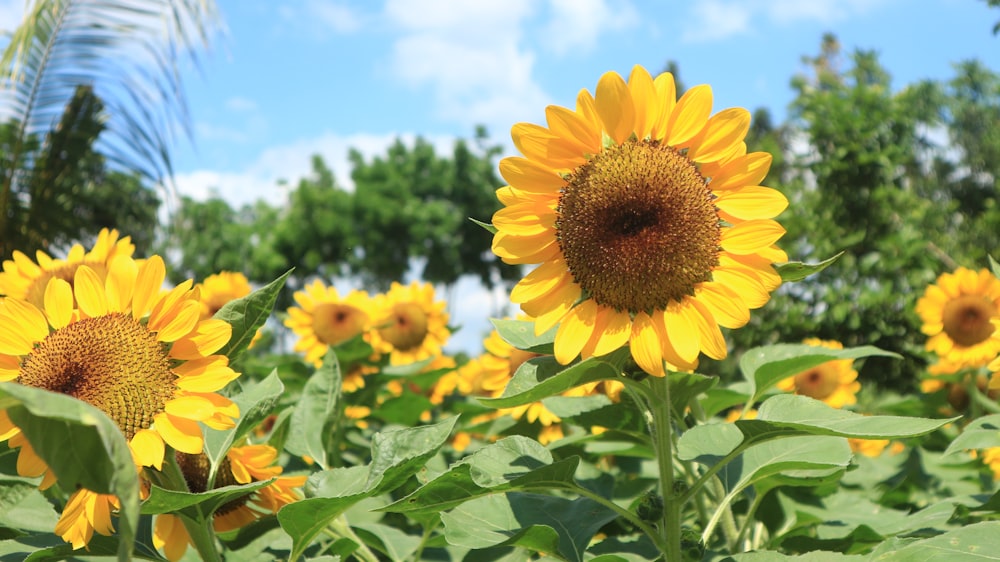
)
(670, 523)
(340, 528)
(201, 532)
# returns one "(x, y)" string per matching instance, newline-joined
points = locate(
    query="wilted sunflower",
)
(141, 356)
(410, 325)
(326, 319)
(23, 278)
(647, 219)
(242, 465)
(957, 313)
(834, 382)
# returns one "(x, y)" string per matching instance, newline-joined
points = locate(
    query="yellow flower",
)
(326, 319)
(834, 382)
(868, 447)
(991, 458)
(86, 512)
(22, 278)
(358, 414)
(220, 288)
(141, 356)
(410, 325)
(737, 414)
(647, 220)
(242, 465)
(957, 314)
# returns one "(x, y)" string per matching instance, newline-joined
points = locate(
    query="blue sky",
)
(318, 76)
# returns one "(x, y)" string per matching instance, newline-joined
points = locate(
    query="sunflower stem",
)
(200, 530)
(670, 522)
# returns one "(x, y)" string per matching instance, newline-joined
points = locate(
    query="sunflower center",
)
(112, 362)
(638, 227)
(966, 319)
(406, 326)
(336, 323)
(816, 383)
(195, 469)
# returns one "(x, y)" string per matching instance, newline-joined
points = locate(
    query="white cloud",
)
(576, 25)
(714, 20)
(239, 103)
(336, 16)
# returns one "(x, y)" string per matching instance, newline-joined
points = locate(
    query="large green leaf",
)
(542, 377)
(81, 445)
(316, 412)
(979, 541)
(255, 404)
(23, 507)
(763, 367)
(196, 506)
(396, 456)
(247, 314)
(557, 526)
(981, 433)
(521, 335)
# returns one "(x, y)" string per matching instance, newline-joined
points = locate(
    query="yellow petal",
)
(207, 338)
(58, 302)
(750, 236)
(181, 324)
(647, 107)
(722, 134)
(181, 434)
(690, 115)
(573, 128)
(527, 175)
(748, 287)
(666, 99)
(525, 249)
(525, 219)
(90, 294)
(543, 279)
(122, 272)
(27, 320)
(644, 343)
(752, 202)
(750, 169)
(682, 330)
(615, 106)
(192, 407)
(574, 331)
(726, 307)
(147, 286)
(205, 375)
(147, 448)
(539, 144)
(614, 331)
(712, 342)
(549, 309)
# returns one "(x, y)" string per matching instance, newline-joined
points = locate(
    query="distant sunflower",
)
(647, 219)
(326, 319)
(242, 465)
(139, 355)
(220, 288)
(410, 325)
(957, 313)
(23, 278)
(834, 382)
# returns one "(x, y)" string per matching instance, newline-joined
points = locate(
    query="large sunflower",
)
(23, 278)
(834, 382)
(326, 319)
(646, 218)
(410, 325)
(141, 356)
(242, 465)
(957, 313)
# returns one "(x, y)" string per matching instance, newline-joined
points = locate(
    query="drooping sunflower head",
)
(220, 288)
(141, 356)
(324, 318)
(958, 313)
(646, 218)
(834, 382)
(23, 278)
(410, 325)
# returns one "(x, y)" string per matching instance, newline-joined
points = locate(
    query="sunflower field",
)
(621, 414)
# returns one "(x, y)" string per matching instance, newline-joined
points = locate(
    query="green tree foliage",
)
(866, 172)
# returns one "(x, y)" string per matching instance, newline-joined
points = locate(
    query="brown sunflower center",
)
(966, 319)
(112, 362)
(195, 469)
(818, 383)
(336, 323)
(406, 326)
(638, 227)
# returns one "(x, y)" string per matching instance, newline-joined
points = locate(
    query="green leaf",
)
(255, 404)
(719, 399)
(487, 226)
(521, 335)
(764, 367)
(200, 505)
(797, 271)
(557, 526)
(513, 463)
(247, 314)
(316, 412)
(817, 556)
(542, 377)
(982, 433)
(598, 409)
(815, 417)
(396, 456)
(391, 541)
(994, 266)
(684, 387)
(979, 541)
(23, 507)
(81, 445)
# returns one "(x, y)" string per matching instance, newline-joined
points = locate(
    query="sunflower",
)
(23, 278)
(84, 513)
(242, 465)
(410, 325)
(646, 219)
(834, 382)
(326, 319)
(957, 313)
(141, 356)
(220, 288)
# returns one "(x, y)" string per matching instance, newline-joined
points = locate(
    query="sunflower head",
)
(647, 220)
(141, 356)
(834, 382)
(218, 289)
(958, 314)
(410, 324)
(324, 318)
